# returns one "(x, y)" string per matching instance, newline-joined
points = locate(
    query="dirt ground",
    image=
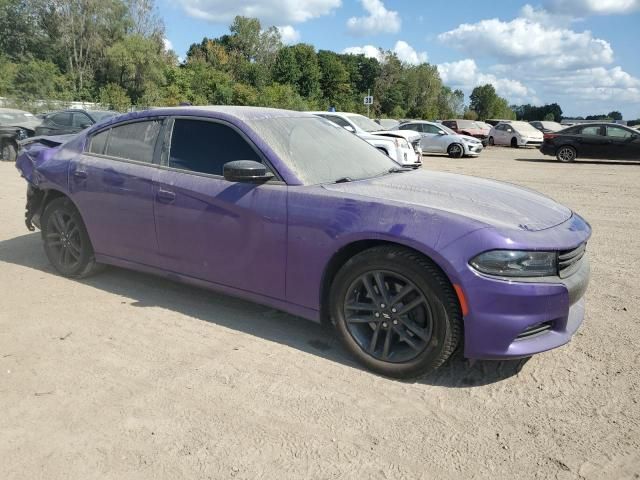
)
(126, 376)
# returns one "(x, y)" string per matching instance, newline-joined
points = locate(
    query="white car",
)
(403, 147)
(437, 138)
(548, 127)
(515, 134)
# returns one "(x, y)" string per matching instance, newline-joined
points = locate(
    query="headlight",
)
(516, 263)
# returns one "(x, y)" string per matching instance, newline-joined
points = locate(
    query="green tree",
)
(308, 84)
(335, 86)
(285, 68)
(487, 104)
(615, 115)
(114, 97)
(39, 80)
(470, 115)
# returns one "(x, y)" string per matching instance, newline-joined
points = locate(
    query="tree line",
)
(112, 52)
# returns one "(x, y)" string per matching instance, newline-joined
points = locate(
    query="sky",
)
(581, 54)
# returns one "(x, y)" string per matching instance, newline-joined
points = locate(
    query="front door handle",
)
(166, 196)
(80, 174)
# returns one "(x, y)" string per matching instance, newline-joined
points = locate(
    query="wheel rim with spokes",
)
(64, 240)
(388, 316)
(455, 150)
(566, 154)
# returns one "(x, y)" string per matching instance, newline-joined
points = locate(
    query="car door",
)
(111, 183)
(228, 233)
(592, 142)
(499, 134)
(624, 144)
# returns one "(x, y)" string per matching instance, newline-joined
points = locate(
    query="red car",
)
(468, 127)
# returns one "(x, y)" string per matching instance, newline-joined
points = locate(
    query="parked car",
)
(288, 210)
(387, 123)
(515, 134)
(467, 127)
(547, 127)
(403, 147)
(15, 125)
(437, 138)
(594, 140)
(71, 121)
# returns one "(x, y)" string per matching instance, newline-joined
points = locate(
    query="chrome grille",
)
(569, 260)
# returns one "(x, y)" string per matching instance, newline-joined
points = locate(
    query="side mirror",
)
(509, 130)
(441, 132)
(349, 128)
(246, 171)
(84, 125)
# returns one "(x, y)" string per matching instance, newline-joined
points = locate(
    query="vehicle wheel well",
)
(341, 257)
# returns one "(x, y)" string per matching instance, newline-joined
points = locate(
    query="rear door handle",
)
(166, 196)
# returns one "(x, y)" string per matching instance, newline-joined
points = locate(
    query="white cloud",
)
(288, 34)
(379, 20)
(465, 74)
(522, 39)
(581, 8)
(268, 11)
(368, 51)
(167, 44)
(405, 52)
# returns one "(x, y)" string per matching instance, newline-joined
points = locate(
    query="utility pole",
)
(368, 95)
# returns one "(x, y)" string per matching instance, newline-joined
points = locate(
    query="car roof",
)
(241, 112)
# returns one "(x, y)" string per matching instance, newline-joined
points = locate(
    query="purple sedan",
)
(288, 210)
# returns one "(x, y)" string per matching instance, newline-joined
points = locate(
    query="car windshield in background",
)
(98, 116)
(446, 129)
(468, 124)
(524, 127)
(319, 151)
(365, 123)
(15, 117)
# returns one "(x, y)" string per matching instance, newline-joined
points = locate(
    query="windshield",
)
(8, 118)
(446, 129)
(319, 151)
(365, 123)
(524, 127)
(468, 124)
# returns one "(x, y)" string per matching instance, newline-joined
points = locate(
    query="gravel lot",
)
(125, 376)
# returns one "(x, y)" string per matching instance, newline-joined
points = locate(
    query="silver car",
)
(436, 138)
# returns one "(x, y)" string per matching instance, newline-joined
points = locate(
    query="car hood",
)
(28, 124)
(407, 134)
(493, 203)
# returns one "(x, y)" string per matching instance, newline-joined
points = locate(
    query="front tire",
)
(455, 150)
(9, 152)
(492, 142)
(566, 154)
(396, 312)
(514, 142)
(66, 241)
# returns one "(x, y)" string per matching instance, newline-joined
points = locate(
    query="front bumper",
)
(473, 149)
(503, 313)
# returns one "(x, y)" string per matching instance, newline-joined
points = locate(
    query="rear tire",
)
(9, 152)
(566, 154)
(455, 150)
(396, 312)
(66, 241)
(514, 142)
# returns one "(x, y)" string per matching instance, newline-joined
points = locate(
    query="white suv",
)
(401, 146)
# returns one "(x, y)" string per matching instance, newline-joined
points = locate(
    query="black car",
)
(15, 125)
(71, 121)
(607, 141)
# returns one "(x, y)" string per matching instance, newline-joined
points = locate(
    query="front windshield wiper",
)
(344, 180)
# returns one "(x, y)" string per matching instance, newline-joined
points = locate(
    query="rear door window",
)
(134, 141)
(99, 142)
(62, 119)
(618, 132)
(592, 130)
(204, 147)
